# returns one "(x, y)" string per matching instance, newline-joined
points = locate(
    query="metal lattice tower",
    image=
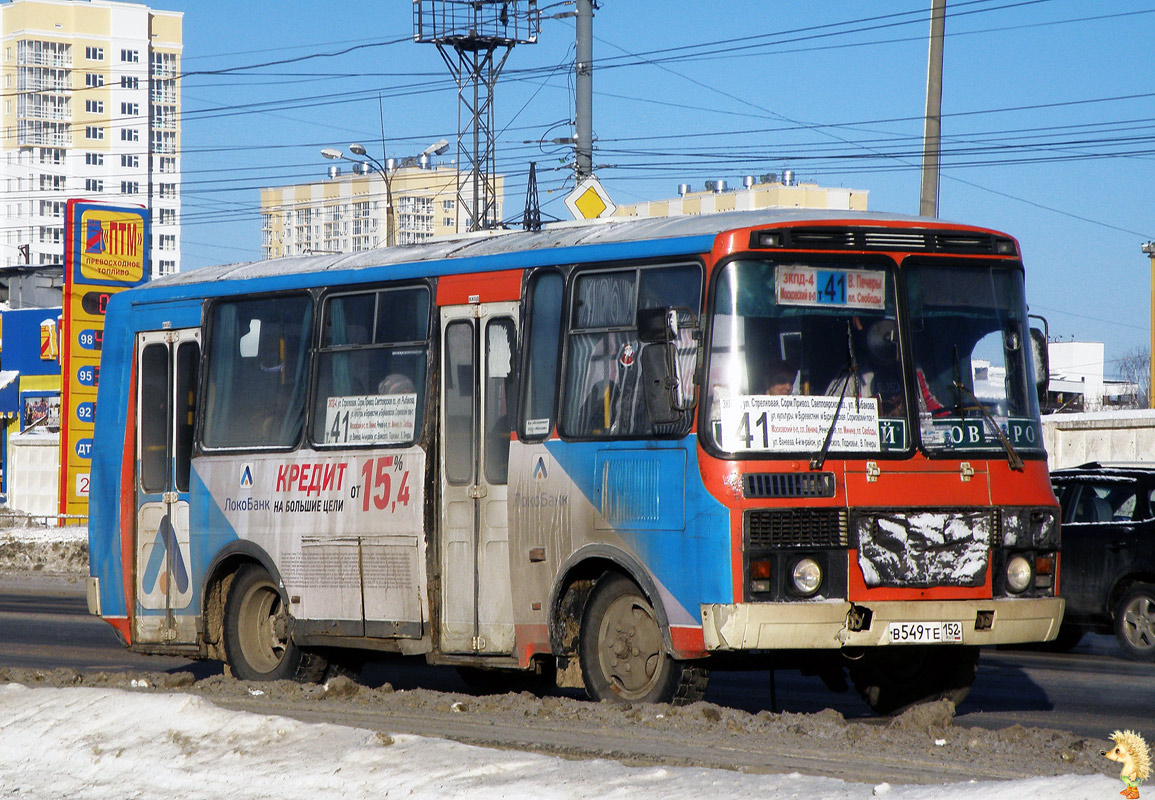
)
(475, 37)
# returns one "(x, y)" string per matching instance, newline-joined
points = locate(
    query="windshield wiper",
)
(849, 373)
(1013, 458)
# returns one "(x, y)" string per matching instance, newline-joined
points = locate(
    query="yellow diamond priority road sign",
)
(589, 200)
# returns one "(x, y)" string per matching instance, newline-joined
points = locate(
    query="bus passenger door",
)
(477, 397)
(168, 364)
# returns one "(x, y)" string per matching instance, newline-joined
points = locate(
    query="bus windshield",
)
(805, 357)
(970, 345)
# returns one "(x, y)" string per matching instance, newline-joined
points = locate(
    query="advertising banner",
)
(106, 250)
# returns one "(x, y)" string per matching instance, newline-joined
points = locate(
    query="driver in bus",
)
(779, 378)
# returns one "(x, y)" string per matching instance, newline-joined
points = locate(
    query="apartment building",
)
(349, 211)
(91, 109)
(764, 191)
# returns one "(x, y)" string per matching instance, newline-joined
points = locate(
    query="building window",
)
(94, 106)
(167, 267)
(94, 53)
(130, 56)
(448, 222)
(448, 205)
(167, 164)
(129, 82)
(132, 162)
(130, 109)
(93, 185)
(130, 187)
(93, 132)
(166, 216)
(164, 142)
(168, 191)
(93, 79)
(129, 135)
(94, 159)
(51, 208)
(51, 155)
(167, 241)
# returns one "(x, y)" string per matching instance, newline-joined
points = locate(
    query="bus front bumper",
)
(831, 624)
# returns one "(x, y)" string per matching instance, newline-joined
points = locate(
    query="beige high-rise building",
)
(349, 211)
(766, 191)
(91, 109)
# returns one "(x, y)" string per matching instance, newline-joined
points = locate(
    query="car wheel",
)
(257, 643)
(622, 654)
(1135, 622)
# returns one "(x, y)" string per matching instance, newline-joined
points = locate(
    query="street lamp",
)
(1149, 249)
(377, 166)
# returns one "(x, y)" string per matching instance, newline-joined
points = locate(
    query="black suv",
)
(1107, 573)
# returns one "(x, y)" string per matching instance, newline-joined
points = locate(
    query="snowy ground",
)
(103, 744)
(109, 744)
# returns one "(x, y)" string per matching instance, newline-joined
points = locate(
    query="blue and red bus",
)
(617, 453)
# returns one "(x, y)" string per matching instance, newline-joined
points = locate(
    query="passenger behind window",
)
(396, 383)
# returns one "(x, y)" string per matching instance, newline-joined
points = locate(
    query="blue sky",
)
(1049, 117)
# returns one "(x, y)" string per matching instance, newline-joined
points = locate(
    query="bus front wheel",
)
(622, 654)
(257, 643)
(891, 679)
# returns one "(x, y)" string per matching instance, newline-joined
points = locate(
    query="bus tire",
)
(1135, 622)
(257, 643)
(894, 678)
(622, 655)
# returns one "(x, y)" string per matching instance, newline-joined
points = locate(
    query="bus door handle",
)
(478, 491)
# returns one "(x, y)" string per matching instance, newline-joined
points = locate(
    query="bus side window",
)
(370, 377)
(258, 348)
(603, 394)
(543, 345)
(500, 346)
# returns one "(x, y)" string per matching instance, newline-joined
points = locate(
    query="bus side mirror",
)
(660, 330)
(660, 385)
(1040, 356)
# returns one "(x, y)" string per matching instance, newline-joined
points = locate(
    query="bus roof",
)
(603, 240)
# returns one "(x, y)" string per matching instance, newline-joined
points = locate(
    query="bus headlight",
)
(806, 577)
(1018, 574)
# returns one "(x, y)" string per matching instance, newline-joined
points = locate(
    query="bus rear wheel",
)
(892, 679)
(623, 658)
(257, 643)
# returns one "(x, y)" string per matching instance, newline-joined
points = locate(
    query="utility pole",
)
(932, 130)
(584, 92)
(1149, 251)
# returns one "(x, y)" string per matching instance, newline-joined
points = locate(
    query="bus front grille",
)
(796, 528)
(761, 485)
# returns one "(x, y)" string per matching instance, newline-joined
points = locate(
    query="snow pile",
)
(106, 744)
(31, 547)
